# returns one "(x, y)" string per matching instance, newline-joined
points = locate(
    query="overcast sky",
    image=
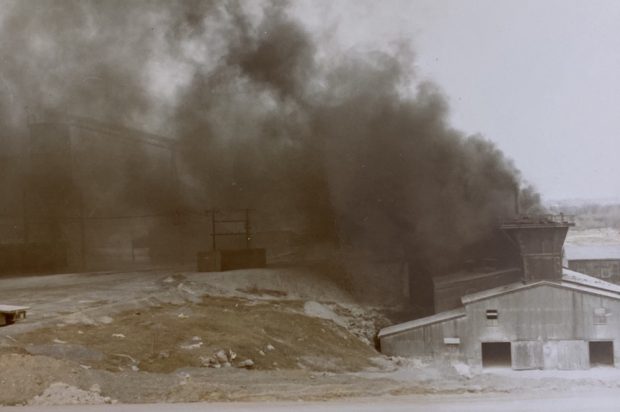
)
(541, 78)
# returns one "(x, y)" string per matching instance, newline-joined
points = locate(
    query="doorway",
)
(496, 355)
(601, 353)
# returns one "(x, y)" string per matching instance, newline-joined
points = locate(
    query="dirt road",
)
(600, 401)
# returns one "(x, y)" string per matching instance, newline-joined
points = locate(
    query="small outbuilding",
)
(601, 261)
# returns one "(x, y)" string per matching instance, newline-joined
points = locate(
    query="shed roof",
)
(514, 287)
(429, 320)
(442, 281)
(586, 280)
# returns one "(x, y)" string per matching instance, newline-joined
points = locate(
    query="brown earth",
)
(273, 334)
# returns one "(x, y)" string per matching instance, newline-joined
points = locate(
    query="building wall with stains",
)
(437, 341)
(548, 326)
(544, 314)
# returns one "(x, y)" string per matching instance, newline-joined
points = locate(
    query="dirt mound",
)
(24, 376)
(272, 334)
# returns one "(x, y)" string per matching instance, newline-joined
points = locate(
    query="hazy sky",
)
(541, 78)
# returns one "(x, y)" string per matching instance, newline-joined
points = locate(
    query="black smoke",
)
(353, 148)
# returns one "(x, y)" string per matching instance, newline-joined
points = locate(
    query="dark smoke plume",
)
(354, 149)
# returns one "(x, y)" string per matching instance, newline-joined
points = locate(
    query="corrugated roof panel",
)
(429, 320)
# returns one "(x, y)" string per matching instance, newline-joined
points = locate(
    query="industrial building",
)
(92, 195)
(600, 261)
(81, 195)
(543, 317)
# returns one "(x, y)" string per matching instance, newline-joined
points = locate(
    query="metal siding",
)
(425, 342)
(561, 319)
(572, 355)
(527, 355)
(549, 314)
(550, 355)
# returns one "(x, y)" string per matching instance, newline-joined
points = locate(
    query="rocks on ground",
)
(60, 393)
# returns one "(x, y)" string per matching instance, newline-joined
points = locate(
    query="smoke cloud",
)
(351, 148)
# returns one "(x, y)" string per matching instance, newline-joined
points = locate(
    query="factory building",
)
(91, 195)
(547, 318)
(600, 261)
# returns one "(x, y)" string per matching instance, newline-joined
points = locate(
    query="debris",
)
(192, 346)
(261, 352)
(59, 393)
(208, 361)
(85, 367)
(184, 375)
(169, 279)
(183, 316)
(59, 341)
(122, 355)
(134, 368)
(221, 356)
(118, 335)
(220, 359)
(270, 347)
(163, 354)
(248, 364)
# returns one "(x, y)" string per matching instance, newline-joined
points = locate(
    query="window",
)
(492, 316)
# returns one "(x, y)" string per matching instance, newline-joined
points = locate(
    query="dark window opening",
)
(492, 314)
(601, 353)
(496, 355)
